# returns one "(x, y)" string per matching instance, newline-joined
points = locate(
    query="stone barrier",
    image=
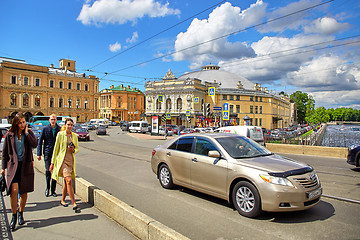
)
(308, 150)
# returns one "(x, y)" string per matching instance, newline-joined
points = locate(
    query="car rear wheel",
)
(246, 199)
(165, 177)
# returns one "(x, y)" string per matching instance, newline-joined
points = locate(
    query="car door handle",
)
(194, 160)
(168, 154)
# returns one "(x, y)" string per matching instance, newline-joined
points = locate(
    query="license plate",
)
(314, 194)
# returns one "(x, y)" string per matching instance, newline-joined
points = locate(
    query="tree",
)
(319, 115)
(305, 105)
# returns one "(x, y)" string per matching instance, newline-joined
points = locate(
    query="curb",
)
(132, 219)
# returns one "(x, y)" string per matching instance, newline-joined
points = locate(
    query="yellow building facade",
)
(189, 95)
(122, 104)
(40, 90)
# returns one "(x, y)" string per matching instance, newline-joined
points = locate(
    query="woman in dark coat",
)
(17, 158)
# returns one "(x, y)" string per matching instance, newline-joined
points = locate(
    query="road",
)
(120, 165)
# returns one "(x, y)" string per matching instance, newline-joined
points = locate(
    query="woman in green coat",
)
(63, 161)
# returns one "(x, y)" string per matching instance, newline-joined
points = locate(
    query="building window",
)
(78, 105)
(51, 102)
(260, 101)
(238, 108)
(158, 104)
(69, 85)
(13, 99)
(179, 104)
(260, 109)
(86, 87)
(251, 122)
(78, 87)
(238, 98)
(231, 97)
(13, 79)
(37, 82)
(26, 81)
(168, 104)
(224, 97)
(260, 121)
(251, 98)
(256, 99)
(69, 103)
(51, 84)
(86, 104)
(251, 109)
(37, 100)
(26, 100)
(61, 102)
(61, 84)
(256, 121)
(231, 108)
(256, 109)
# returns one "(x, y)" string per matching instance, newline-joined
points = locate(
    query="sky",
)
(311, 46)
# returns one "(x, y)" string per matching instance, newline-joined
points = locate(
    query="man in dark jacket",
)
(48, 137)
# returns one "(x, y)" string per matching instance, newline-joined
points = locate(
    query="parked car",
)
(162, 131)
(187, 131)
(85, 125)
(239, 170)
(353, 156)
(101, 130)
(139, 126)
(3, 131)
(83, 134)
(125, 126)
(37, 129)
(91, 126)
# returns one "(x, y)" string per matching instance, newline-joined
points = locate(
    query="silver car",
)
(239, 170)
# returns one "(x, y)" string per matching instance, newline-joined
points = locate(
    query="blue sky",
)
(283, 45)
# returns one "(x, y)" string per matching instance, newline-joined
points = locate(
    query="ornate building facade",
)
(188, 95)
(122, 103)
(40, 90)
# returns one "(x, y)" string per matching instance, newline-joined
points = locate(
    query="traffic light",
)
(208, 110)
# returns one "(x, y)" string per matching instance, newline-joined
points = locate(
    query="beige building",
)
(122, 104)
(188, 94)
(40, 90)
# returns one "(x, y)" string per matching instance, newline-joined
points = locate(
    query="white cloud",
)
(326, 25)
(123, 11)
(336, 99)
(223, 20)
(115, 47)
(133, 39)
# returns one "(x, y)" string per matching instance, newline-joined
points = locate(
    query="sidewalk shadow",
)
(41, 206)
(40, 223)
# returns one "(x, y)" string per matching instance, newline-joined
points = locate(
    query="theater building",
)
(41, 90)
(189, 95)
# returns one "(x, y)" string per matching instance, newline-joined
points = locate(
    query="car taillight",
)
(153, 152)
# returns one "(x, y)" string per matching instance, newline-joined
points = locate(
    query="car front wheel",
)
(246, 199)
(165, 177)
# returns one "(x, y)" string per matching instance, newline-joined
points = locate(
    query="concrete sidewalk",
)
(45, 218)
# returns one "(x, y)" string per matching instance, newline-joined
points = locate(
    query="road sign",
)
(168, 116)
(226, 106)
(225, 115)
(217, 108)
(161, 98)
(188, 113)
(211, 91)
(196, 100)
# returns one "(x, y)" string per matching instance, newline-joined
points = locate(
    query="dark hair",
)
(15, 122)
(68, 120)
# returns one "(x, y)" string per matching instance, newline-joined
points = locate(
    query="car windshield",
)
(242, 147)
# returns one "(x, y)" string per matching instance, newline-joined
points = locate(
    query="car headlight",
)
(277, 180)
(352, 147)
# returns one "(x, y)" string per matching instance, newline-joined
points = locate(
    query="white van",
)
(139, 126)
(252, 132)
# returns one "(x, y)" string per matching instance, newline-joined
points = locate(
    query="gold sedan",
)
(239, 170)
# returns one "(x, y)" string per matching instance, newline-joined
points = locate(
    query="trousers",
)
(51, 186)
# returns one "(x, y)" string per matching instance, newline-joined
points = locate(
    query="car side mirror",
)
(214, 154)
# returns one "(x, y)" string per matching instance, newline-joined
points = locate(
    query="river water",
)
(341, 136)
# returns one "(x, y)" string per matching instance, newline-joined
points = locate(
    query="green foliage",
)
(305, 105)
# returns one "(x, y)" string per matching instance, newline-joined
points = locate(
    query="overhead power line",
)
(157, 34)
(227, 35)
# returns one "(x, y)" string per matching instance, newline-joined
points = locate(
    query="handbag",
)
(2, 184)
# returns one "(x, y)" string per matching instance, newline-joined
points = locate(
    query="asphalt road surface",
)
(120, 165)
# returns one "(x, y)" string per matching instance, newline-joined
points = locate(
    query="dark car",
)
(101, 130)
(125, 126)
(82, 134)
(37, 129)
(353, 157)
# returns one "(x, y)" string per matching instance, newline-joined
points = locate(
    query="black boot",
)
(21, 218)
(13, 221)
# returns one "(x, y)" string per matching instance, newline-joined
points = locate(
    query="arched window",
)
(69, 103)
(86, 87)
(37, 100)
(26, 81)
(51, 103)
(179, 104)
(13, 99)
(78, 103)
(26, 100)
(168, 104)
(61, 103)
(158, 104)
